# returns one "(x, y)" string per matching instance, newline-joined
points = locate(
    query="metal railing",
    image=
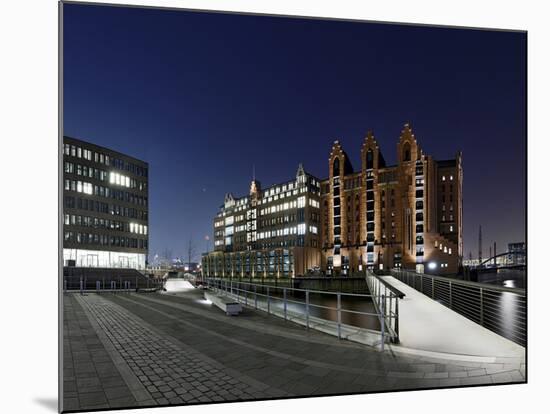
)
(386, 301)
(303, 305)
(500, 309)
(84, 284)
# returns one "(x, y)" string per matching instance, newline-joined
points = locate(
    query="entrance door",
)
(123, 262)
(93, 260)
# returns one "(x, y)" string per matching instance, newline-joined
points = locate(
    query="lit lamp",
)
(432, 265)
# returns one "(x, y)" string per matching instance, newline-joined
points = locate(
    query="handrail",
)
(386, 313)
(500, 309)
(397, 292)
(518, 291)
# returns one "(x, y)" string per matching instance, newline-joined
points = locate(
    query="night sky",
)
(203, 97)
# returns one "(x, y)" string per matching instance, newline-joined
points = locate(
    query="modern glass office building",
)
(105, 207)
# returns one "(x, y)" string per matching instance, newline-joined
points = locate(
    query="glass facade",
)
(105, 207)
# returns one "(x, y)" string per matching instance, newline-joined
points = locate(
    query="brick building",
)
(407, 215)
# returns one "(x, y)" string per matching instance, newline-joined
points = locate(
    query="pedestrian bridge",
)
(418, 314)
(428, 327)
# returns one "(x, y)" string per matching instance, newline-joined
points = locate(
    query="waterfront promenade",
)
(157, 349)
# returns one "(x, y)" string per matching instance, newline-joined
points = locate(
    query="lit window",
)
(302, 228)
(301, 202)
(442, 179)
(451, 228)
(451, 178)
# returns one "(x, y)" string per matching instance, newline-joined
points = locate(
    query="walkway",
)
(161, 349)
(426, 325)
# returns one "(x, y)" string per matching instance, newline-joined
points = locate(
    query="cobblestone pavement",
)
(180, 349)
(170, 371)
(91, 379)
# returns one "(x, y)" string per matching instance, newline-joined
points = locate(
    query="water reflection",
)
(324, 306)
(503, 277)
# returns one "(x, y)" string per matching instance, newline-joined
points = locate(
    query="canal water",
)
(356, 310)
(512, 278)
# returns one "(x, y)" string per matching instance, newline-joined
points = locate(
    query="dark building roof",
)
(446, 163)
(99, 147)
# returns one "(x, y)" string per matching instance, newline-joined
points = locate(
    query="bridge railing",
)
(386, 301)
(300, 304)
(105, 284)
(500, 309)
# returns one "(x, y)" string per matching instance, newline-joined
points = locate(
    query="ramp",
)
(428, 326)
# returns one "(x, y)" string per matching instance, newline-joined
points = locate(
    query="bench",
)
(229, 306)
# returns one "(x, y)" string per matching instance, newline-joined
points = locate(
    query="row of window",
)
(100, 223)
(105, 208)
(93, 239)
(283, 206)
(101, 191)
(101, 175)
(300, 229)
(79, 169)
(443, 248)
(100, 158)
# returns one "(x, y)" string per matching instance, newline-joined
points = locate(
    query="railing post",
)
(382, 323)
(450, 294)
(338, 306)
(97, 285)
(307, 309)
(433, 288)
(481, 306)
(255, 297)
(397, 317)
(268, 301)
(81, 285)
(246, 296)
(284, 301)
(65, 285)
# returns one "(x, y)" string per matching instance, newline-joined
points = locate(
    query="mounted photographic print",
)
(258, 207)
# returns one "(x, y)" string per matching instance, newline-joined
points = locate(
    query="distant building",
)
(105, 207)
(380, 217)
(516, 253)
(269, 233)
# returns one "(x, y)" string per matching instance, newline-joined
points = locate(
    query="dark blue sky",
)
(203, 96)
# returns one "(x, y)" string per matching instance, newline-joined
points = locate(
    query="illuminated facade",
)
(105, 207)
(407, 215)
(271, 233)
